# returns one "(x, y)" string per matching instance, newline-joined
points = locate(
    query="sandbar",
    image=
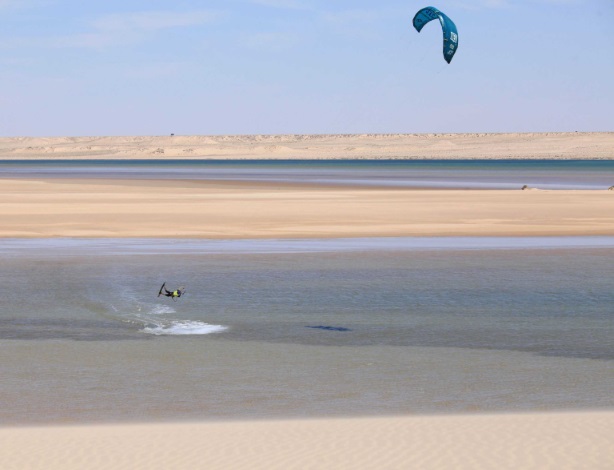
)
(252, 210)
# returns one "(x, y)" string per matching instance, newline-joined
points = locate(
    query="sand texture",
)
(562, 441)
(571, 145)
(200, 209)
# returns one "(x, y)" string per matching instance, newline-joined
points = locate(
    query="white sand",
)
(561, 441)
(571, 145)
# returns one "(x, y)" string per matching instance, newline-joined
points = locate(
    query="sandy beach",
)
(558, 441)
(564, 145)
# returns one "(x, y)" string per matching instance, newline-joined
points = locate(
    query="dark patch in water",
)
(329, 328)
(577, 344)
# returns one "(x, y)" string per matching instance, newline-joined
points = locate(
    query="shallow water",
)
(444, 174)
(303, 328)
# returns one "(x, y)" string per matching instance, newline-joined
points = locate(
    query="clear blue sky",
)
(152, 67)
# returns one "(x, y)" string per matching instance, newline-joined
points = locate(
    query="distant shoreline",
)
(467, 146)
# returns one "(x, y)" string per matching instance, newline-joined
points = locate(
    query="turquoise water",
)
(292, 328)
(466, 174)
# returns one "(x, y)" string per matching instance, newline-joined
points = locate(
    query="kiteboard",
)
(160, 292)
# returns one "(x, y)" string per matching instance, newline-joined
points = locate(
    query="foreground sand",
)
(525, 441)
(197, 209)
(553, 145)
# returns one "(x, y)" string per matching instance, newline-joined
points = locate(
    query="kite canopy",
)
(450, 34)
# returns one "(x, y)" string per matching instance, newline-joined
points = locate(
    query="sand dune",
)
(562, 441)
(576, 145)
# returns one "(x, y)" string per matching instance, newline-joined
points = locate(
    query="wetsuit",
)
(175, 294)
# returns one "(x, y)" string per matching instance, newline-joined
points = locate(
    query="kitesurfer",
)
(175, 294)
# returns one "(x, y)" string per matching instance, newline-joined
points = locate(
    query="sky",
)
(153, 67)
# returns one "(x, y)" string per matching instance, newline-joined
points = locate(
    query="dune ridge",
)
(549, 145)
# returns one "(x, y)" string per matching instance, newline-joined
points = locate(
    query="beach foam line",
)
(150, 246)
(161, 310)
(184, 327)
(561, 441)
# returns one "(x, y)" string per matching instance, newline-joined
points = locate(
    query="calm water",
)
(285, 328)
(468, 174)
(289, 328)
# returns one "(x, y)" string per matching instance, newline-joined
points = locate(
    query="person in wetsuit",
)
(173, 294)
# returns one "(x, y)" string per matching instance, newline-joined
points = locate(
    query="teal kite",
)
(450, 34)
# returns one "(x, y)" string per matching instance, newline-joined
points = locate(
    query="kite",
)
(450, 34)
